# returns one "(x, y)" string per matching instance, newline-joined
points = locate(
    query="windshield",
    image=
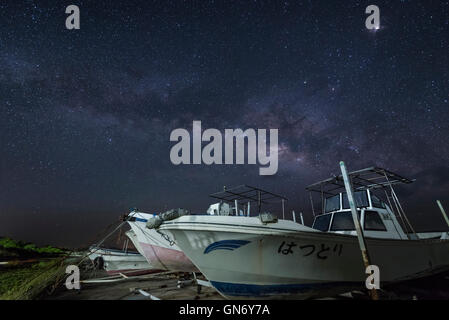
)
(377, 202)
(343, 221)
(322, 222)
(332, 203)
(360, 198)
(373, 221)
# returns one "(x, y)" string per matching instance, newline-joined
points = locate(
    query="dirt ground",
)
(163, 286)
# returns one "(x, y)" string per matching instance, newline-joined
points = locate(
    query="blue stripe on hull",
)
(254, 290)
(225, 245)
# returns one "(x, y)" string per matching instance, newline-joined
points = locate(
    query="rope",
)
(89, 252)
(103, 240)
(93, 239)
(166, 237)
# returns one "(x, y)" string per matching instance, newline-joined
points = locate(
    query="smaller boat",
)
(115, 261)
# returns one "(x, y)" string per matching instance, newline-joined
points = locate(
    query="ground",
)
(163, 286)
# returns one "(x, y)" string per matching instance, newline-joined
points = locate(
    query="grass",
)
(12, 248)
(19, 282)
(31, 269)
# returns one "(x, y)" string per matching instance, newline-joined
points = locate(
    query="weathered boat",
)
(263, 257)
(159, 253)
(119, 261)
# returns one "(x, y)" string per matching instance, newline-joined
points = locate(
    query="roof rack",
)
(369, 178)
(248, 194)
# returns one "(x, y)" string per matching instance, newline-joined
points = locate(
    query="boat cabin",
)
(377, 218)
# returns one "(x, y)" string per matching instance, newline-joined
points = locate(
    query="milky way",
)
(86, 115)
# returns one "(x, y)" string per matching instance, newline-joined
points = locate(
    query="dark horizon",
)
(86, 115)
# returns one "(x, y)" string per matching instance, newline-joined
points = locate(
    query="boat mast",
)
(322, 199)
(392, 210)
(283, 209)
(311, 203)
(360, 237)
(399, 209)
(443, 212)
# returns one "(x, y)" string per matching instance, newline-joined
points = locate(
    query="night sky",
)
(86, 115)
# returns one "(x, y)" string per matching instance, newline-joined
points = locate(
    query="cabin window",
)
(360, 198)
(377, 202)
(322, 222)
(332, 203)
(343, 221)
(373, 221)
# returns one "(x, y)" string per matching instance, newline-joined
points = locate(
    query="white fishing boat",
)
(263, 257)
(158, 252)
(115, 261)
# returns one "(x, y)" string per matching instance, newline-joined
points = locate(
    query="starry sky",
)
(86, 115)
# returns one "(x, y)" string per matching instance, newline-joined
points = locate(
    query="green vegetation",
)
(10, 247)
(11, 250)
(31, 269)
(25, 282)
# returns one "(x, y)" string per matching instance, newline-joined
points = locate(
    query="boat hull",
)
(133, 237)
(167, 259)
(116, 261)
(247, 259)
(158, 251)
